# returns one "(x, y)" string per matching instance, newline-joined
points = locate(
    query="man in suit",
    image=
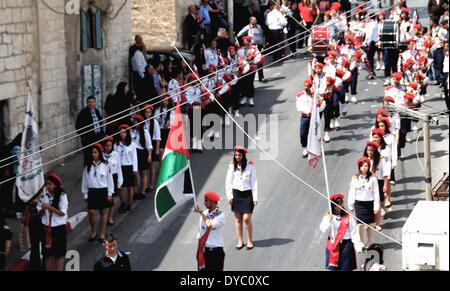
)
(89, 126)
(191, 26)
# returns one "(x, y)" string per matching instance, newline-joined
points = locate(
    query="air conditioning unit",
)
(425, 237)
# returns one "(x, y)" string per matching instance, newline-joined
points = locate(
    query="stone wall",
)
(171, 13)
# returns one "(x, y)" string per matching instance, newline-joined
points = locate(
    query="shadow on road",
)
(272, 242)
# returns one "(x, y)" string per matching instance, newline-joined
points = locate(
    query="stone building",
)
(171, 14)
(68, 50)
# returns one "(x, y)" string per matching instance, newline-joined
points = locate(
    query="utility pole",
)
(426, 142)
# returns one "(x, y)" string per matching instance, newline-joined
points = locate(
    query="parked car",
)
(162, 55)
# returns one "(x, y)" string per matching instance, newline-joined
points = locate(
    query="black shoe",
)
(149, 190)
(139, 196)
(101, 240)
(240, 247)
(263, 81)
(111, 223)
(92, 239)
(122, 208)
(128, 207)
(250, 247)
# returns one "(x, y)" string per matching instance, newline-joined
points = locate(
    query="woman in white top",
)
(151, 126)
(113, 159)
(143, 143)
(97, 186)
(343, 237)
(164, 115)
(381, 169)
(364, 198)
(53, 205)
(242, 193)
(128, 161)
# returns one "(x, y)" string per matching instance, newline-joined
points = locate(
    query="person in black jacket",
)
(115, 104)
(114, 260)
(5, 241)
(191, 26)
(436, 8)
(89, 126)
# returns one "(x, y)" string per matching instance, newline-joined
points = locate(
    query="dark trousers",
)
(405, 127)
(247, 86)
(36, 238)
(328, 113)
(294, 41)
(371, 56)
(260, 67)
(275, 43)
(214, 259)
(438, 64)
(304, 34)
(336, 105)
(305, 123)
(390, 63)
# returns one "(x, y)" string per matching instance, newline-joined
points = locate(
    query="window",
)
(91, 29)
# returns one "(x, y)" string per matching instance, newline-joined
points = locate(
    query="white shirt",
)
(99, 177)
(174, 90)
(161, 116)
(156, 135)
(136, 138)
(128, 155)
(113, 160)
(276, 20)
(351, 232)
(371, 31)
(215, 237)
(304, 103)
(193, 95)
(47, 198)
(242, 181)
(211, 57)
(138, 63)
(320, 82)
(362, 189)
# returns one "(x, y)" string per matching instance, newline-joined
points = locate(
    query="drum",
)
(390, 35)
(320, 37)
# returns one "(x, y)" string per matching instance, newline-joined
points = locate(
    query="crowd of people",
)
(123, 153)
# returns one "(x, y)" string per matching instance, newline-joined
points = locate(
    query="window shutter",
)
(84, 30)
(98, 30)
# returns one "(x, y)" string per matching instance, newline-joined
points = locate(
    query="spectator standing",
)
(191, 25)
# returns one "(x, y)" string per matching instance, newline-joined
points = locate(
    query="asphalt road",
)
(286, 220)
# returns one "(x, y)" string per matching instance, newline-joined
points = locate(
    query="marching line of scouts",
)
(116, 163)
(407, 75)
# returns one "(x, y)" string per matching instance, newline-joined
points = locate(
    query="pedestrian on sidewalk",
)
(5, 241)
(53, 206)
(242, 193)
(129, 163)
(210, 254)
(113, 159)
(151, 126)
(114, 260)
(364, 199)
(89, 126)
(343, 237)
(98, 187)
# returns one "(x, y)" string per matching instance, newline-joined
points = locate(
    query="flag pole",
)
(192, 184)
(327, 184)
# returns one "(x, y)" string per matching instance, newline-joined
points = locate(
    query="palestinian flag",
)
(174, 184)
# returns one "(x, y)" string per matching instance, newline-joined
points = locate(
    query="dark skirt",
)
(98, 199)
(242, 202)
(142, 156)
(347, 257)
(380, 188)
(155, 157)
(129, 180)
(116, 190)
(164, 137)
(59, 242)
(364, 211)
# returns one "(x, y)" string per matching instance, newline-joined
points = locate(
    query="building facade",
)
(68, 50)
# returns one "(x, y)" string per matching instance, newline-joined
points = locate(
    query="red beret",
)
(124, 126)
(410, 61)
(231, 48)
(363, 159)
(406, 10)
(388, 99)
(413, 85)
(54, 178)
(349, 37)
(212, 196)
(409, 97)
(372, 143)
(345, 63)
(337, 196)
(358, 54)
(247, 38)
(212, 67)
(381, 13)
(307, 82)
(331, 80)
(378, 131)
(411, 40)
(340, 73)
(423, 59)
(319, 65)
(99, 146)
(139, 118)
(382, 111)
(194, 76)
(336, 5)
(417, 26)
(108, 138)
(241, 148)
(397, 75)
(149, 106)
(332, 54)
